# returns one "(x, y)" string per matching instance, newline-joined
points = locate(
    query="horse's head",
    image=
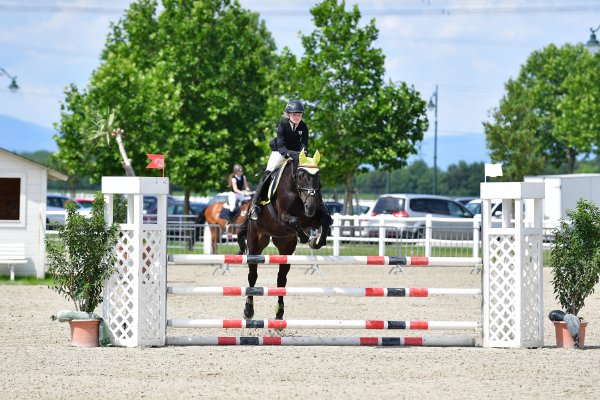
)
(308, 182)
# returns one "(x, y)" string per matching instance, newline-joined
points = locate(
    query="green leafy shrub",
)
(84, 257)
(576, 256)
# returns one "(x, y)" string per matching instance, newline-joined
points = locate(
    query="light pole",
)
(593, 45)
(433, 105)
(13, 87)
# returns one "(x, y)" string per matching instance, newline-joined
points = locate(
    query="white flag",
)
(493, 170)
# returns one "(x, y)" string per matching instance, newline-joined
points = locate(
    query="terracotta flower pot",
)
(84, 332)
(563, 337)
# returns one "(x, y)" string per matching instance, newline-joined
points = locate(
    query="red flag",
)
(158, 161)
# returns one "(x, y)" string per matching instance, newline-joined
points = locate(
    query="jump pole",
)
(316, 291)
(434, 341)
(322, 324)
(199, 259)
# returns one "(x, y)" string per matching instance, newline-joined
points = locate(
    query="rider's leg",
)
(231, 199)
(254, 208)
(274, 159)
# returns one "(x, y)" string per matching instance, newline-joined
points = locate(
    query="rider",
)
(238, 182)
(292, 136)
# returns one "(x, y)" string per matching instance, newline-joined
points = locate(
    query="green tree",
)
(550, 112)
(463, 179)
(355, 118)
(188, 79)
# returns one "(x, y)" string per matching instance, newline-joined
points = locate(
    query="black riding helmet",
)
(294, 106)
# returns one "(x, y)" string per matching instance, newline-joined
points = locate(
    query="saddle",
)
(228, 214)
(274, 177)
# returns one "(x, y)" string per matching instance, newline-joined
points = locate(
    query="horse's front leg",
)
(294, 222)
(281, 282)
(252, 278)
(326, 221)
(256, 244)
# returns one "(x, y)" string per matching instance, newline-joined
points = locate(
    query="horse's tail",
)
(242, 235)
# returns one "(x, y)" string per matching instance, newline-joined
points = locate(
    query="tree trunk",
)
(348, 195)
(571, 160)
(186, 201)
(126, 161)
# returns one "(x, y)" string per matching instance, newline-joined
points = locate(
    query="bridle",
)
(310, 169)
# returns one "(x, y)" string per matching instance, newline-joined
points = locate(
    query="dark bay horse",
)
(212, 217)
(295, 206)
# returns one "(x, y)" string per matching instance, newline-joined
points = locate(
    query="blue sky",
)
(469, 48)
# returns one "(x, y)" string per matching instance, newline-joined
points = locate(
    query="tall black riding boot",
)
(254, 208)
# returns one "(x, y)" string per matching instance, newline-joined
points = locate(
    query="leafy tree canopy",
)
(355, 118)
(188, 79)
(550, 113)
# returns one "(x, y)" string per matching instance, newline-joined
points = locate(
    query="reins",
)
(310, 191)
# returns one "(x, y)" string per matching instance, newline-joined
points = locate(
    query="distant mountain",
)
(24, 137)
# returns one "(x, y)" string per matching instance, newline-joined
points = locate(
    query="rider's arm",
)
(305, 140)
(281, 139)
(246, 184)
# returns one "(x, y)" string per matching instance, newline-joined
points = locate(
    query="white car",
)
(475, 207)
(55, 209)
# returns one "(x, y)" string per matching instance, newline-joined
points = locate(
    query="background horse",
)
(211, 215)
(295, 206)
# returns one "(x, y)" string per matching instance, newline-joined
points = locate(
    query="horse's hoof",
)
(313, 243)
(279, 311)
(248, 311)
(303, 239)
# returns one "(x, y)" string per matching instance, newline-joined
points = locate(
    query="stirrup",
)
(254, 211)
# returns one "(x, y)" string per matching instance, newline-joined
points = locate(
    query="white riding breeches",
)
(274, 160)
(233, 199)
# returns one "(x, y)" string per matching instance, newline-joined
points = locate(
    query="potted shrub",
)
(576, 263)
(79, 264)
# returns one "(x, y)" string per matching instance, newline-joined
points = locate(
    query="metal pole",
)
(435, 134)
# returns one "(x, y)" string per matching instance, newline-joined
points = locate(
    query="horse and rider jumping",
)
(292, 206)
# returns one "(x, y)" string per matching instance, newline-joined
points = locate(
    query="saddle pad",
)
(275, 177)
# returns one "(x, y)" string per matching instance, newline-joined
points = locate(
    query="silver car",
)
(408, 211)
(55, 209)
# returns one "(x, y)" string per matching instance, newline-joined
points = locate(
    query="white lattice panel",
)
(514, 301)
(532, 291)
(132, 296)
(502, 289)
(150, 310)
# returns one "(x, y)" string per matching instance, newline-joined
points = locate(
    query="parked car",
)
(86, 204)
(464, 200)
(475, 207)
(335, 207)
(151, 207)
(419, 205)
(221, 197)
(55, 209)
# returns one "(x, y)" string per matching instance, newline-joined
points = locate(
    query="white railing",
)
(429, 236)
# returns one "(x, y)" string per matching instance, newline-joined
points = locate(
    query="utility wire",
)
(427, 9)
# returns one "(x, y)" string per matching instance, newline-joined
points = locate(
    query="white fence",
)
(358, 234)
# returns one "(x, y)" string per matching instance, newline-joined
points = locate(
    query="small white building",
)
(23, 185)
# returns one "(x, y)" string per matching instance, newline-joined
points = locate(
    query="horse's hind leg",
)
(286, 246)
